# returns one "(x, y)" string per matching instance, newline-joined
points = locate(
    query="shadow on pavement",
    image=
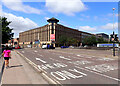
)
(15, 66)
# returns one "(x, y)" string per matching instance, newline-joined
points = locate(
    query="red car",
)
(18, 47)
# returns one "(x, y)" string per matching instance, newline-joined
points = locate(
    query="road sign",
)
(52, 37)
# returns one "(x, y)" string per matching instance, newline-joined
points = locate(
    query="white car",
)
(44, 46)
(71, 47)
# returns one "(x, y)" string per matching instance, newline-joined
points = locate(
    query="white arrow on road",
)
(38, 59)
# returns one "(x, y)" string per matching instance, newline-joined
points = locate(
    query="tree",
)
(101, 40)
(62, 40)
(6, 30)
(90, 40)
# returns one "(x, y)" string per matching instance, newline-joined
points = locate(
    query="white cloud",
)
(46, 18)
(19, 6)
(109, 26)
(65, 6)
(111, 15)
(87, 28)
(0, 9)
(19, 24)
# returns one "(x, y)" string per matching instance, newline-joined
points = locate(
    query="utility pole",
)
(113, 35)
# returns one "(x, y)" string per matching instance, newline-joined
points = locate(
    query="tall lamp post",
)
(113, 35)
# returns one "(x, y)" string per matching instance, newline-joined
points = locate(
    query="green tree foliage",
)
(63, 40)
(101, 40)
(89, 40)
(6, 30)
(92, 40)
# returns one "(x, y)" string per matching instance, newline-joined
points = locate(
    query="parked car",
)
(17, 47)
(44, 46)
(51, 47)
(71, 47)
(47, 47)
(64, 46)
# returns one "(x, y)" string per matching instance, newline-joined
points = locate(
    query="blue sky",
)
(92, 17)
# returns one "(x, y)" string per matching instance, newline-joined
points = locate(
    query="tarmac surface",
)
(75, 66)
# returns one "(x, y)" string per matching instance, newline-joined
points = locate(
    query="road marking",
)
(98, 73)
(23, 51)
(55, 60)
(80, 62)
(62, 57)
(35, 51)
(105, 59)
(38, 59)
(88, 57)
(80, 55)
(102, 68)
(69, 74)
(40, 55)
(52, 66)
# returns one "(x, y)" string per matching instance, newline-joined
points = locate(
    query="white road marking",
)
(52, 66)
(76, 58)
(35, 51)
(70, 74)
(40, 55)
(80, 62)
(105, 59)
(99, 73)
(38, 59)
(55, 60)
(103, 67)
(23, 51)
(80, 55)
(88, 57)
(62, 57)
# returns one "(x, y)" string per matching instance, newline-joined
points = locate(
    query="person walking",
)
(7, 56)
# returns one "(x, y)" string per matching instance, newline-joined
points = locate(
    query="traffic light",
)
(112, 37)
(116, 38)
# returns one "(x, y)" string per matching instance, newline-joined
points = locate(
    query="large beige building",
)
(44, 33)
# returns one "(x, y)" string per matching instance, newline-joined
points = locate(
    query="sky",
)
(92, 17)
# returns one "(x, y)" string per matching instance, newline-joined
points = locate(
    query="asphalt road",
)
(72, 68)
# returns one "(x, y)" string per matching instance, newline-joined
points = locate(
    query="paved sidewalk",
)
(21, 72)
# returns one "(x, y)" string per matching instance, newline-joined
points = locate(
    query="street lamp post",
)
(113, 35)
